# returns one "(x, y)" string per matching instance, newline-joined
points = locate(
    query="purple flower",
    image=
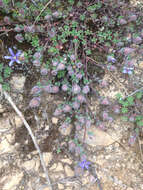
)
(37, 55)
(19, 38)
(78, 126)
(13, 57)
(7, 20)
(86, 89)
(64, 87)
(79, 65)
(72, 57)
(128, 70)
(44, 71)
(55, 63)
(84, 164)
(75, 105)
(47, 88)
(105, 101)
(111, 59)
(57, 112)
(71, 72)
(81, 98)
(67, 108)
(37, 62)
(132, 139)
(54, 72)
(35, 102)
(137, 40)
(76, 89)
(35, 90)
(122, 21)
(60, 67)
(55, 89)
(79, 75)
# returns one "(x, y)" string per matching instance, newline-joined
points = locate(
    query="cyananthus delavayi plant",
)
(64, 41)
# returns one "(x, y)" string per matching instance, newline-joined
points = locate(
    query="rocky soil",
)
(117, 165)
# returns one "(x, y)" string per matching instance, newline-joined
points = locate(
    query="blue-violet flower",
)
(13, 57)
(84, 164)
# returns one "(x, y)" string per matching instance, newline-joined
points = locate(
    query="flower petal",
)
(7, 57)
(11, 52)
(11, 63)
(18, 53)
(17, 61)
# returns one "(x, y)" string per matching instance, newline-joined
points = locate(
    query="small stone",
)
(17, 82)
(54, 120)
(60, 186)
(65, 130)
(12, 181)
(47, 156)
(69, 172)
(66, 160)
(18, 122)
(46, 188)
(5, 147)
(1, 109)
(57, 167)
(97, 137)
(31, 165)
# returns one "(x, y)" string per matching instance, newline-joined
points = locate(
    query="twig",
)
(31, 134)
(138, 90)
(140, 148)
(42, 11)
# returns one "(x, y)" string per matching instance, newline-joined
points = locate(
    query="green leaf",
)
(119, 96)
(7, 72)
(124, 110)
(139, 95)
(1, 79)
(124, 118)
(130, 99)
(139, 117)
(1, 67)
(140, 123)
(6, 87)
(125, 103)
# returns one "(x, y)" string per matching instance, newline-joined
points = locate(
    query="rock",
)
(96, 137)
(67, 161)
(54, 120)
(65, 130)
(47, 156)
(46, 188)
(18, 122)
(5, 147)
(31, 165)
(57, 167)
(60, 186)
(12, 181)
(17, 82)
(5, 123)
(2, 109)
(69, 172)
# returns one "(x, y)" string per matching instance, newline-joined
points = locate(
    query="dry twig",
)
(41, 11)
(7, 96)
